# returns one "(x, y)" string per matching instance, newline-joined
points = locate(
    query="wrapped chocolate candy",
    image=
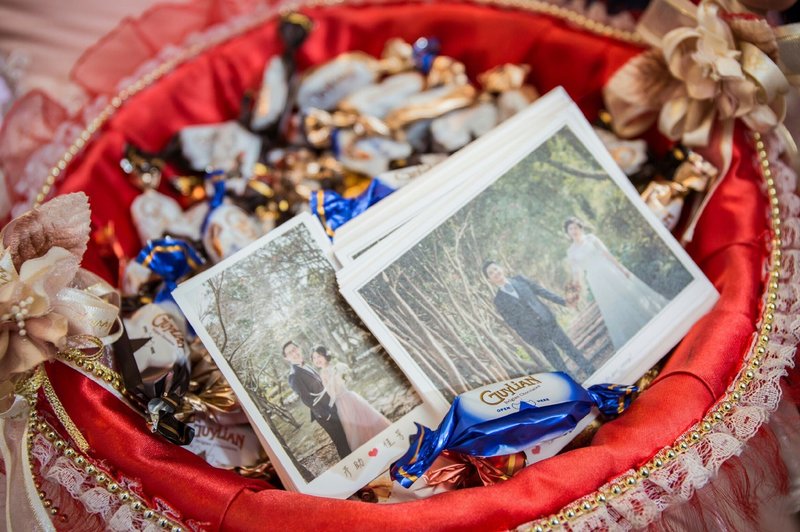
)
(171, 259)
(507, 84)
(166, 342)
(227, 146)
(665, 198)
(629, 155)
(368, 155)
(325, 86)
(431, 103)
(379, 99)
(509, 417)
(228, 230)
(272, 97)
(155, 215)
(456, 129)
(333, 210)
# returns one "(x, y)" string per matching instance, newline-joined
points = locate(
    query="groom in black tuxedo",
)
(517, 301)
(307, 384)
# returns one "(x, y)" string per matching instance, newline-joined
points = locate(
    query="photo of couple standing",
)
(625, 302)
(549, 268)
(346, 417)
(320, 380)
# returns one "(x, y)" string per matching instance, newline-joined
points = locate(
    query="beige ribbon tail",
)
(23, 508)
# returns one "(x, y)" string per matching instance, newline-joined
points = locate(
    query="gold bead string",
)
(93, 366)
(533, 6)
(724, 408)
(103, 478)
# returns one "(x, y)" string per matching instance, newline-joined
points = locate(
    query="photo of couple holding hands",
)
(625, 302)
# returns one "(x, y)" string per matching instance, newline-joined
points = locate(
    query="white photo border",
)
(629, 363)
(331, 483)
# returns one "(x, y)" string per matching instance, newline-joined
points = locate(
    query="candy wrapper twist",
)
(509, 417)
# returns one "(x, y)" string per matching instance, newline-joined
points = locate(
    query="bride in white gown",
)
(626, 303)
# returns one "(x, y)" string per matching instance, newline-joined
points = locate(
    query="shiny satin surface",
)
(729, 246)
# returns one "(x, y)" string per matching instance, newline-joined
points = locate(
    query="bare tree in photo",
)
(286, 291)
(437, 302)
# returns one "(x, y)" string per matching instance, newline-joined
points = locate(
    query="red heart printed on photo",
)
(374, 451)
(536, 450)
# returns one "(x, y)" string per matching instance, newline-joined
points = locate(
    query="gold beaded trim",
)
(724, 408)
(104, 479)
(533, 6)
(93, 366)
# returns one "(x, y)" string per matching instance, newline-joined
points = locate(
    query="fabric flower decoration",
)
(40, 257)
(723, 68)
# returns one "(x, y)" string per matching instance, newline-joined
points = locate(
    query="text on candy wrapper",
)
(495, 397)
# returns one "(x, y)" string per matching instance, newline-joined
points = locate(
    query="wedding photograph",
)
(321, 382)
(548, 268)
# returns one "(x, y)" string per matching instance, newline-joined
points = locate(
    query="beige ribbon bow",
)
(708, 64)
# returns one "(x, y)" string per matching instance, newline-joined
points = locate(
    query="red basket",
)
(708, 401)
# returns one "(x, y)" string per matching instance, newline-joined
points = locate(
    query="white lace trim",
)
(117, 515)
(678, 480)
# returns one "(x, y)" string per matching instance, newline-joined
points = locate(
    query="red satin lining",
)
(729, 246)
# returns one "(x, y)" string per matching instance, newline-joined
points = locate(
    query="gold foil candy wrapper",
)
(666, 198)
(325, 86)
(397, 56)
(447, 71)
(319, 125)
(431, 104)
(208, 392)
(504, 78)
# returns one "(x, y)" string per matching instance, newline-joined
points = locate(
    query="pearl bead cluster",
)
(19, 313)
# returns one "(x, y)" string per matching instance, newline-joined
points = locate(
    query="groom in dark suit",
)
(517, 301)
(307, 384)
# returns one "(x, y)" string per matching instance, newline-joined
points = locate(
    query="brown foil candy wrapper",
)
(462, 471)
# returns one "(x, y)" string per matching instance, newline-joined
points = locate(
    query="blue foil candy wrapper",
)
(169, 258)
(509, 417)
(333, 210)
(218, 184)
(425, 50)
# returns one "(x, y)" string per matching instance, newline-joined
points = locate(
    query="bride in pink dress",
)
(360, 420)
